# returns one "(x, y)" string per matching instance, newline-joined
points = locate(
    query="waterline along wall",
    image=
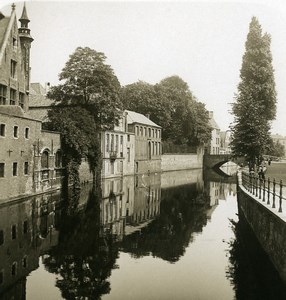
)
(268, 225)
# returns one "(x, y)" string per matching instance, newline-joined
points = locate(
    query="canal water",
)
(175, 235)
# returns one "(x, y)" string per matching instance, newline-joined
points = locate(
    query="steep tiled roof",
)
(4, 21)
(134, 117)
(38, 96)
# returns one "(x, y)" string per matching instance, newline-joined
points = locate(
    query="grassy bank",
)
(277, 170)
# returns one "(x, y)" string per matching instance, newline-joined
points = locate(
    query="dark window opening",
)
(14, 269)
(13, 68)
(3, 94)
(14, 232)
(1, 237)
(25, 227)
(15, 169)
(2, 129)
(26, 168)
(15, 132)
(2, 169)
(27, 131)
(12, 97)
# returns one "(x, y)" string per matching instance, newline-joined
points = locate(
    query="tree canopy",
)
(90, 83)
(255, 105)
(170, 104)
(86, 102)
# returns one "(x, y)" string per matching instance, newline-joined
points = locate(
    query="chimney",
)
(47, 87)
(148, 116)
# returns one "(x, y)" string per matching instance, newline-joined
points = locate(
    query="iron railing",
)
(266, 190)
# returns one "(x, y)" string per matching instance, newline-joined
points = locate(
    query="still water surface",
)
(174, 235)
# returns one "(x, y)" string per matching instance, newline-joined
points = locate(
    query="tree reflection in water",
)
(182, 212)
(250, 270)
(84, 258)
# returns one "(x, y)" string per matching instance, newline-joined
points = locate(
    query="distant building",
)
(118, 149)
(214, 144)
(281, 139)
(30, 158)
(39, 103)
(148, 147)
(225, 137)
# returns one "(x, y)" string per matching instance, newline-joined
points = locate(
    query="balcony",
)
(112, 155)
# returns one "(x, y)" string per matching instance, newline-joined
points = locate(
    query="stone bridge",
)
(215, 161)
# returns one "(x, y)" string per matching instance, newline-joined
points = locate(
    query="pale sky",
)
(200, 41)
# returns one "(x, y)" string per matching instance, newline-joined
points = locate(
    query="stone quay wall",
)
(174, 162)
(268, 227)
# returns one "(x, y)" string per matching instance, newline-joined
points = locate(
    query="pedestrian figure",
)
(269, 161)
(263, 172)
(260, 172)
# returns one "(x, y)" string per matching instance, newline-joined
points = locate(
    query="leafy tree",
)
(148, 99)
(275, 149)
(255, 105)
(87, 102)
(190, 121)
(171, 105)
(90, 83)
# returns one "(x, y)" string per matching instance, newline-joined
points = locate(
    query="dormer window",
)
(13, 68)
(14, 41)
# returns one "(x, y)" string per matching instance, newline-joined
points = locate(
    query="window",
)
(141, 130)
(12, 97)
(14, 269)
(14, 42)
(21, 99)
(128, 154)
(2, 129)
(26, 168)
(116, 143)
(1, 237)
(145, 131)
(45, 160)
(15, 131)
(58, 159)
(107, 142)
(112, 143)
(27, 131)
(137, 130)
(24, 262)
(121, 140)
(152, 132)
(15, 168)
(2, 169)
(14, 232)
(149, 132)
(3, 94)
(128, 137)
(25, 227)
(13, 67)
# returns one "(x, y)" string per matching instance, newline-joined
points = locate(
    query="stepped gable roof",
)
(37, 97)
(134, 117)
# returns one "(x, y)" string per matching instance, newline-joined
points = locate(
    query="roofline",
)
(145, 124)
(20, 117)
(7, 33)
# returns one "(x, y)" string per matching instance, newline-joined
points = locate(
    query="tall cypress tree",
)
(255, 105)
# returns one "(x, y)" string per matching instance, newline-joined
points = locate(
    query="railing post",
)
(260, 183)
(274, 183)
(268, 191)
(280, 197)
(263, 196)
(256, 186)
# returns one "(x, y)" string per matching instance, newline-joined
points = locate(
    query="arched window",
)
(149, 151)
(45, 160)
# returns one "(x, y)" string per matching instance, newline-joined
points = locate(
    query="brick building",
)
(30, 158)
(148, 147)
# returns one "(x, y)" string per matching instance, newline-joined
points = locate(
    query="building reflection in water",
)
(28, 228)
(79, 238)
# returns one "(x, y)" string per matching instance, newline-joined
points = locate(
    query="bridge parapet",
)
(212, 161)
